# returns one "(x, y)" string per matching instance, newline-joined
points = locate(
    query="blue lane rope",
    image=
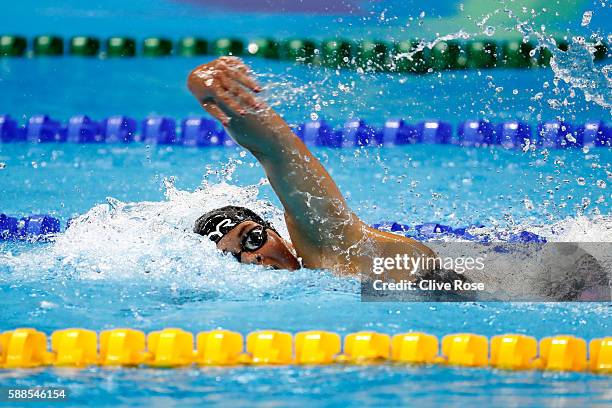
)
(39, 226)
(30, 227)
(202, 132)
(432, 231)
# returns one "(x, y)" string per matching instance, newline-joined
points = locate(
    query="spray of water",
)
(154, 240)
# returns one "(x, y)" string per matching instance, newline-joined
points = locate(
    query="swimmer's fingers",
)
(246, 80)
(225, 100)
(216, 112)
(235, 63)
(218, 92)
(239, 92)
(235, 68)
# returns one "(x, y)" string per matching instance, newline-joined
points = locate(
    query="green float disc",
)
(406, 58)
(299, 50)
(481, 54)
(228, 46)
(516, 54)
(120, 47)
(372, 56)
(48, 45)
(445, 55)
(336, 53)
(263, 47)
(192, 46)
(156, 47)
(12, 46)
(84, 46)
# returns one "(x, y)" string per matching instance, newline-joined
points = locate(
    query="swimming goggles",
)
(252, 241)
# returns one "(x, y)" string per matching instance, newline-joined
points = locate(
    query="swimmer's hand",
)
(323, 229)
(224, 89)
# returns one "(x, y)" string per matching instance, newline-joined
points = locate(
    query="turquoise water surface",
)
(132, 261)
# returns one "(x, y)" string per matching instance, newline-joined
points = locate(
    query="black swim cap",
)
(216, 223)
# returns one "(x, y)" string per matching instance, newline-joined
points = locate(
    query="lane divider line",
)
(174, 347)
(203, 132)
(39, 227)
(406, 56)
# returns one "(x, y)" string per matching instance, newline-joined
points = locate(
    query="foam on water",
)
(153, 241)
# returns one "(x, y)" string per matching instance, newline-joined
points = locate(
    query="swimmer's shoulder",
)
(392, 244)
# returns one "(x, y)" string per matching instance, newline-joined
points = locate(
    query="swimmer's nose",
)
(274, 253)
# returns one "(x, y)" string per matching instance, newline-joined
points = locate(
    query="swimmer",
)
(325, 233)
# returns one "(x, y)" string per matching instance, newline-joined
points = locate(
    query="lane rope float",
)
(203, 132)
(173, 347)
(39, 226)
(407, 56)
(31, 227)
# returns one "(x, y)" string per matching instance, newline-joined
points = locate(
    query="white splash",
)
(120, 240)
(575, 66)
(586, 18)
(459, 35)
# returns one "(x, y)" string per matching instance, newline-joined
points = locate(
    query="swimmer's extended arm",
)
(323, 229)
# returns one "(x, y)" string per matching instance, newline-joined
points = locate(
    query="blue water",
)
(74, 85)
(133, 266)
(410, 184)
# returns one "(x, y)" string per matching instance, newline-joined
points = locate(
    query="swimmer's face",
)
(252, 243)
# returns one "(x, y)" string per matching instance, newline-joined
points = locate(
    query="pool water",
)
(129, 259)
(410, 184)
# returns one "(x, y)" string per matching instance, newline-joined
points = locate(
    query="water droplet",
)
(515, 91)
(47, 305)
(585, 202)
(586, 18)
(489, 31)
(581, 181)
(601, 184)
(2, 165)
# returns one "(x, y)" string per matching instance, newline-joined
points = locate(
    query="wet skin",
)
(276, 253)
(324, 231)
